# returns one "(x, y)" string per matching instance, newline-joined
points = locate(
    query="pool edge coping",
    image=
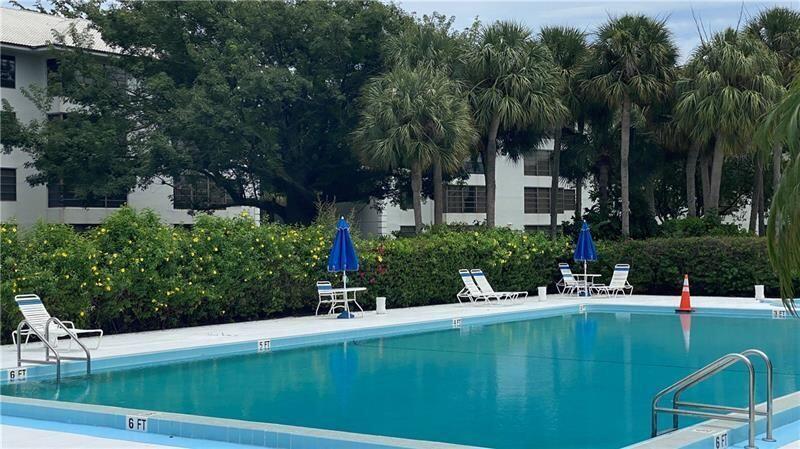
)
(786, 410)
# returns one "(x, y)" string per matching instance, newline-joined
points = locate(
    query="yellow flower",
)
(82, 314)
(108, 288)
(121, 270)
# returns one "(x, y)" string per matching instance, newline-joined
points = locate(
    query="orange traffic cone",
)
(686, 302)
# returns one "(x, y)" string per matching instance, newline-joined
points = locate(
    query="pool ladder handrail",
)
(704, 373)
(45, 339)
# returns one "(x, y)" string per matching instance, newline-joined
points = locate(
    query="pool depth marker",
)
(686, 301)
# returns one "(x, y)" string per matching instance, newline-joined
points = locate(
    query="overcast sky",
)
(586, 15)
(714, 15)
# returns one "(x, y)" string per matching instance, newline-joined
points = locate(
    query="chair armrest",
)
(69, 324)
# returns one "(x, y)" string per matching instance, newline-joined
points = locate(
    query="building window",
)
(8, 74)
(474, 166)
(198, 193)
(465, 199)
(537, 163)
(8, 184)
(537, 200)
(407, 231)
(52, 71)
(59, 195)
(566, 200)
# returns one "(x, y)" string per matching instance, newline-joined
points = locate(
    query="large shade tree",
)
(257, 97)
(411, 117)
(568, 47)
(632, 62)
(514, 85)
(730, 83)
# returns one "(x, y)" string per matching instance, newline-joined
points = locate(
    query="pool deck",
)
(193, 337)
(18, 432)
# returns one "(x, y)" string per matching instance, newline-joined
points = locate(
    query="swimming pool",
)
(577, 380)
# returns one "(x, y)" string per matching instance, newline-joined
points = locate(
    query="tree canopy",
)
(259, 97)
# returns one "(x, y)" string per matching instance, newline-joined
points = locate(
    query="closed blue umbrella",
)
(585, 251)
(343, 258)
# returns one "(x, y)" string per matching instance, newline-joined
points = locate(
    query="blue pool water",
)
(574, 381)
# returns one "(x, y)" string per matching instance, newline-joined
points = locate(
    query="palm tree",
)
(782, 126)
(730, 82)
(514, 85)
(779, 29)
(568, 47)
(410, 118)
(633, 58)
(429, 43)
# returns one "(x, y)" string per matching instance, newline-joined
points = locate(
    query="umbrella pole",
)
(344, 282)
(585, 280)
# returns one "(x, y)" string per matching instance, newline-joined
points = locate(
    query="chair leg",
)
(99, 339)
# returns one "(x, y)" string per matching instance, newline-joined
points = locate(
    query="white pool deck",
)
(190, 337)
(21, 432)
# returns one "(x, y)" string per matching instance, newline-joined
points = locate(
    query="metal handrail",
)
(45, 339)
(73, 337)
(704, 373)
(45, 342)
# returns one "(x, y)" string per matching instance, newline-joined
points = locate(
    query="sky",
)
(680, 15)
(587, 15)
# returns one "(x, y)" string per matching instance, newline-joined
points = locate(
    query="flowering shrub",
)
(133, 273)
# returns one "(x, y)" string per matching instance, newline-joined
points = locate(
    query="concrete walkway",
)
(189, 337)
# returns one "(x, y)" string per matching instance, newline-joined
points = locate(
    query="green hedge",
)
(133, 273)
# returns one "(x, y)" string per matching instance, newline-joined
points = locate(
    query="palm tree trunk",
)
(578, 200)
(650, 196)
(624, 152)
(438, 193)
(705, 179)
(758, 191)
(777, 158)
(489, 167)
(691, 177)
(554, 175)
(716, 178)
(416, 193)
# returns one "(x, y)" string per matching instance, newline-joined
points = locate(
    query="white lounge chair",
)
(568, 284)
(471, 291)
(619, 282)
(37, 317)
(486, 287)
(327, 295)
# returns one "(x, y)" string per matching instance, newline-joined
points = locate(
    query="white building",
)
(25, 40)
(523, 199)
